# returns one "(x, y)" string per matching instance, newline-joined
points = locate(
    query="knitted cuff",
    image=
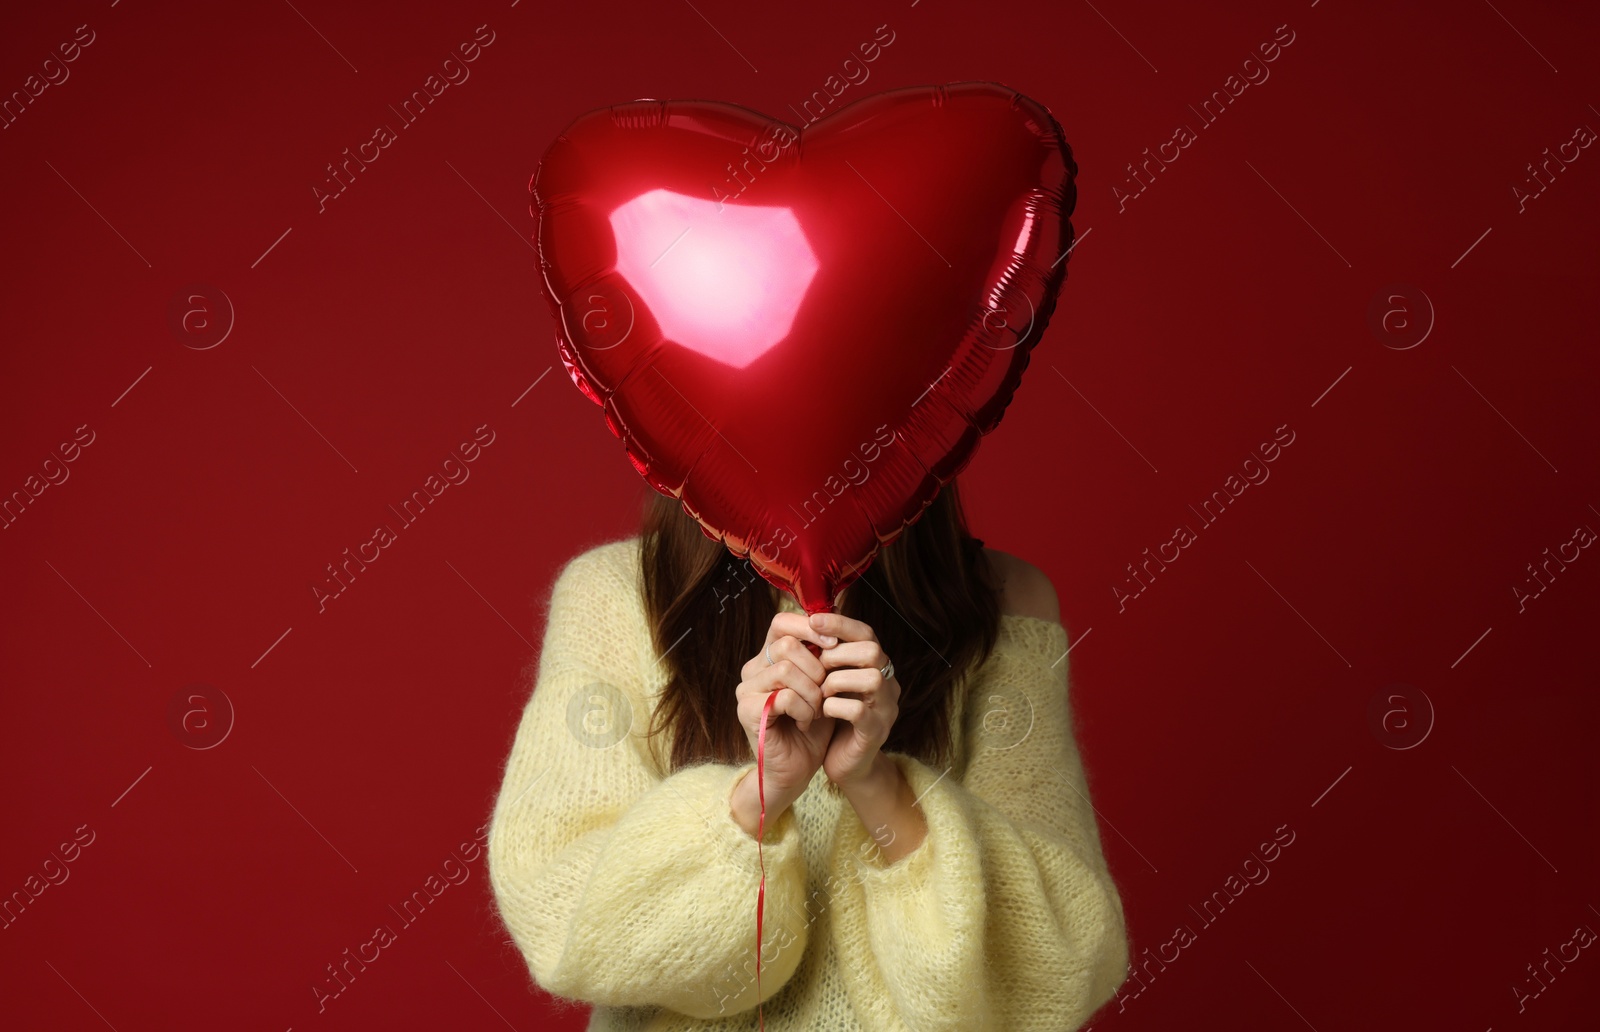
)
(780, 842)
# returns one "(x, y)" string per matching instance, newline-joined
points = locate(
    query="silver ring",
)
(887, 670)
(769, 653)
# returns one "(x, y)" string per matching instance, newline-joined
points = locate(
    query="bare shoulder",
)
(1024, 588)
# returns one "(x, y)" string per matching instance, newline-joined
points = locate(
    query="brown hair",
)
(930, 596)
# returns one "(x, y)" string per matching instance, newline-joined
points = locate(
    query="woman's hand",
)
(855, 690)
(794, 747)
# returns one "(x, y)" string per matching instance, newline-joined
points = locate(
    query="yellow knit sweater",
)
(636, 892)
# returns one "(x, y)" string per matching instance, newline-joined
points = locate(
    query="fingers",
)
(794, 650)
(868, 684)
(853, 710)
(795, 624)
(841, 627)
(865, 654)
(847, 659)
(786, 647)
(803, 702)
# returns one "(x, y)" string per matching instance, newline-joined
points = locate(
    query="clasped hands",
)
(836, 712)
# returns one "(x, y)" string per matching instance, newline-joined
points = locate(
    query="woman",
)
(932, 858)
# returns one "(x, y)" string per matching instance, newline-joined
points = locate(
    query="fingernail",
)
(829, 640)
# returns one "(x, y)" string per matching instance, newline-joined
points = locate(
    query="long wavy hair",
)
(931, 596)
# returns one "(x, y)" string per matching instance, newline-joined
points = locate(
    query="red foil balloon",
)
(802, 333)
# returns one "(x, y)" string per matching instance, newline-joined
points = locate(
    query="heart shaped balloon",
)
(801, 333)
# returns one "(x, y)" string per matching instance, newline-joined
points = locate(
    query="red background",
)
(1228, 299)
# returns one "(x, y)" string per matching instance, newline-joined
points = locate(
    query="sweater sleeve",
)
(622, 887)
(1005, 915)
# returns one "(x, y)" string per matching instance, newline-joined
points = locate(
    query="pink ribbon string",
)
(761, 827)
